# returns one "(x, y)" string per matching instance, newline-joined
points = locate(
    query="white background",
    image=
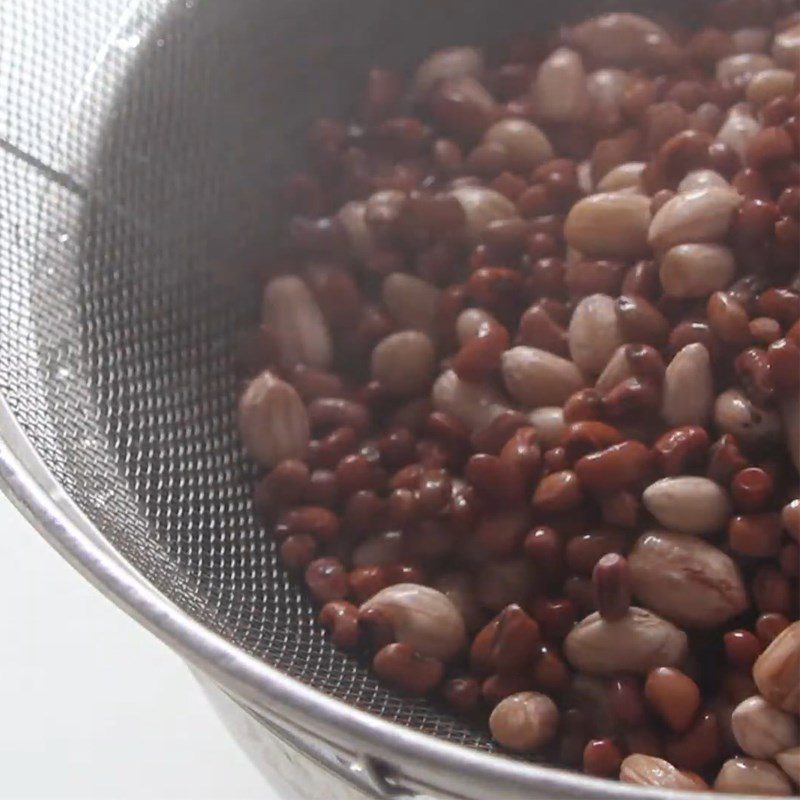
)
(92, 707)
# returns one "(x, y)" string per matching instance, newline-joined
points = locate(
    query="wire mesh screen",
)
(140, 143)
(135, 204)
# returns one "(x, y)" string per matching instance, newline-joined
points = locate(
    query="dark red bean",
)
(538, 329)
(545, 549)
(612, 589)
(626, 701)
(769, 147)
(584, 551)
(556, 617)
(772, 592)
(602, 758)
(463, 108)
(322, 489)
(754, 374)
(515, 640)
(582, 278)
(725, 459)
(549, 673)
(327, 579)
(321, 523)
(480, 355)
(742, 648)
(751, 489)
(585, 404)
(462, 694)
(364, 582)
(354, 473)
(298, 551)
(681, 449)
(617, 467)
(642, 280)
(728, 320)
(340, 619)
(687, 150)
(783, 357)
(559, 491)
(698, 747)
(640, 321)
(497, 687)
(769, 625)
(621, 509)
(401, 666)
(780, 304)
(581, 438)
(755, 535)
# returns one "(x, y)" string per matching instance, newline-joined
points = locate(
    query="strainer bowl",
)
(140, 141)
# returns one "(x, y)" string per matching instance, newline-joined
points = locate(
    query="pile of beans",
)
(525, 391)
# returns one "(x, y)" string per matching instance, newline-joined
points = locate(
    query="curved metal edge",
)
(414, 758)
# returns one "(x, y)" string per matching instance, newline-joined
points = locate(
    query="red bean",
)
(401, 666)
(559, 491)
(614, 468)
(340, 618)
(612, 588)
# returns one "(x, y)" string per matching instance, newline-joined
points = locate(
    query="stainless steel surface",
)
(139, 142)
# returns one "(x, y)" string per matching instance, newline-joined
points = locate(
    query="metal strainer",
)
(139, 143)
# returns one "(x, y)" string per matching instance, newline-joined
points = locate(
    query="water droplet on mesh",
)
(128, 41)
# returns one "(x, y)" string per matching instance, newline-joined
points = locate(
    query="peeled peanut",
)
(609, 224)
(700, 179)
(482, 206)
(616, 371)
(524, 722)
(353, 216)
(702, 215)
(411, 301)
(761, 730)
(786, 47)
(526, 145)
(789, 761)
(623, 176)
(769, 84)
(686, 580)
(646, 770)
(738, 129)
(422, 618)
(404, 362)
(476, 405)
(623, 39)
(559, 91)
(751, 776)
(452, 62)
(607, 87)
(741, 65)
(696, 270)
(776, 669)
(691, 366)
(300, 330)
(594, 333)
(637, 642)
(688, 504)
(735, 413)
(538, 378)
(549, 424)
(272, 420)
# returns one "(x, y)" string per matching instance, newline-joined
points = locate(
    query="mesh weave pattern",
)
(140, 141)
